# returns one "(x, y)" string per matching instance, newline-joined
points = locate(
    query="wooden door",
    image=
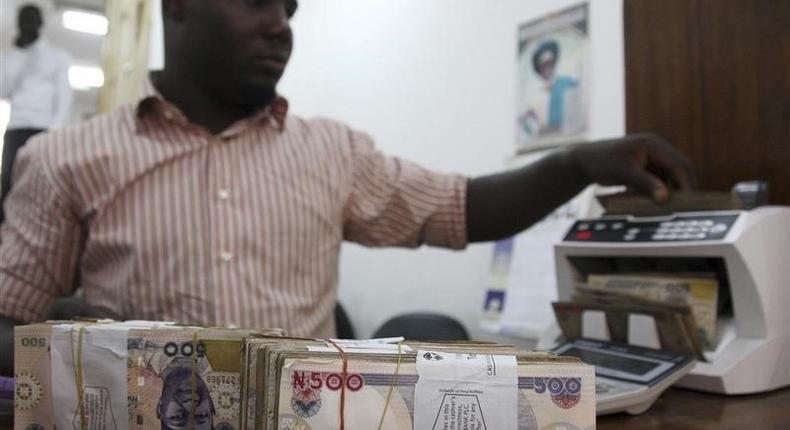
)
(713, 76)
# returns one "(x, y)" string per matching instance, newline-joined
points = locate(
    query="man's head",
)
(544, 60)
(29, 22)
(234, 50)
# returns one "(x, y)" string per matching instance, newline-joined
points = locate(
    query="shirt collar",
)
(153, 106)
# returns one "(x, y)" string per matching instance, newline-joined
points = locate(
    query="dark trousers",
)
(13, 141)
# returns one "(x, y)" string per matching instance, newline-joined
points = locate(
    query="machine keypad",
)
(676, 228)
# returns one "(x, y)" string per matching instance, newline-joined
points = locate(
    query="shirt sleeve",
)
(40, 240)
(394, 202)
(10, 68)
(63, 95)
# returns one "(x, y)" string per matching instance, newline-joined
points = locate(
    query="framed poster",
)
(552, 80)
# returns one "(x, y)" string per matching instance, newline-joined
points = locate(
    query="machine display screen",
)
(610, 361)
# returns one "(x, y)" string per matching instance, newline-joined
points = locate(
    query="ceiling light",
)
(86, 22)
(85, 77)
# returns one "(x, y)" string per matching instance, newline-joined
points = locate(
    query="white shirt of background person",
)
(36, 81)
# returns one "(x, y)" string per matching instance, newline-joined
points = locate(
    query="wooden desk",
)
(689, 410)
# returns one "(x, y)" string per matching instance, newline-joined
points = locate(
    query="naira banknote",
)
(268, 366)
(32, 373)
(184, 377)
(699, 292)
(551, 394)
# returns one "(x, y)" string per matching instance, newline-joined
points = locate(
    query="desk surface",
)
(689, 410)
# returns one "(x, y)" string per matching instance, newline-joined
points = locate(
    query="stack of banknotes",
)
(132, 375)
(698, 291)
(295, 383)
(149, 375)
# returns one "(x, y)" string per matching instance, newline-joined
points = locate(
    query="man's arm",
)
(501, 205)
(64, 96)
(11, 67)
(40, 244)
(62, 309)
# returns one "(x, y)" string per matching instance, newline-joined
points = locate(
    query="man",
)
(207, 203)
(34, 76)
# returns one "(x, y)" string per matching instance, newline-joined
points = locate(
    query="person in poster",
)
(552, 57)
(544, 61)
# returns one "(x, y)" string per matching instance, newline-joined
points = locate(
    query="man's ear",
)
(174, 9)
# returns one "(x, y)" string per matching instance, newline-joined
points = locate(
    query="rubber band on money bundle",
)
(79, 377)
(392, 385)
(343, 378)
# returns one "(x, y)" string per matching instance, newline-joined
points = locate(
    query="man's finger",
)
(662, 155)
(647, 183)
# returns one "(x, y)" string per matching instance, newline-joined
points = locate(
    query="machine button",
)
(700, 236)
(618, 226)
(671, 236)
(633, 231)
(718, 228)
(583, 227)
(667, 224)
(600, 226)
(584, 235)
(657, 237)
(685, 236)
(629, 238)
(707, 223)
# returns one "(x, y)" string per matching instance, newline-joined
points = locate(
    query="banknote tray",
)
(628, 378)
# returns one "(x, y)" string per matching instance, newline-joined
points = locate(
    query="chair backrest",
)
(423, 326)
(345, 330)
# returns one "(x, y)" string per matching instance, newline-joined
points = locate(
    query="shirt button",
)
(223, 194)
(226, 256)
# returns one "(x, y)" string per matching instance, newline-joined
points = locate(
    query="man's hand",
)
(643, 162)
(501, 205)
(73, 308)
(63, 309)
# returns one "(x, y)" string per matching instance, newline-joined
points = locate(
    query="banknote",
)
(699, 292)
(551, 395)
(184, 377)
(268, 367)
(32, 373)
(679, 201)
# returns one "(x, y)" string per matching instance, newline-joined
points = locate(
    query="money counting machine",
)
(749, 253)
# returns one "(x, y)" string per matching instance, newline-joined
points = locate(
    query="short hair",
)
(32, 8)
(549, 46)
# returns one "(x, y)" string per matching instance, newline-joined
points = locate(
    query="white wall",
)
(432, 81)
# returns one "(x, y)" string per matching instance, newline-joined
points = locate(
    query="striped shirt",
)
(156, 218)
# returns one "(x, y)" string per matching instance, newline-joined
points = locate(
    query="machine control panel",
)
(673, 228)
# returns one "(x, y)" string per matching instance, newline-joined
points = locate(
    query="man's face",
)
(547, 67)
(177, 413)
(29, 22)
(237, 50)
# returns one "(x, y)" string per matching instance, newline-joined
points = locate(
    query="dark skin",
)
(29, 22)
(223, 62)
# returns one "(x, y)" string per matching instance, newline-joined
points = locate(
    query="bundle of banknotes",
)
(699, 292)
(147, 375)
(313, 384)
(132, 375)
(679, 201)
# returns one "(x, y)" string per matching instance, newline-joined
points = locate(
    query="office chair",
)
(345, 330)
(423, 326)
